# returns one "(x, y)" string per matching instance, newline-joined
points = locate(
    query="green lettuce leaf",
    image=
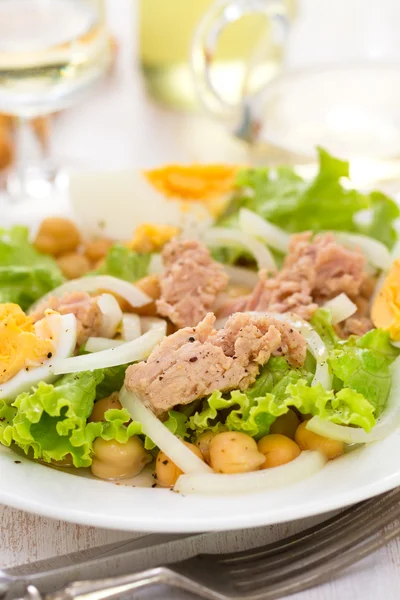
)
(250, 411)
(346, 407)
(125, 264)
(112, 381)
(322, 204)
(118, 426)
(51, 421)
(359, 363)
(245, 414)
(177, 424)
(25, 274)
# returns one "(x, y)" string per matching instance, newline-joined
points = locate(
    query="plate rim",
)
(211, 523)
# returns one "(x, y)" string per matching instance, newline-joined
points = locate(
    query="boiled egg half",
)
(27, 349)
(385, 312)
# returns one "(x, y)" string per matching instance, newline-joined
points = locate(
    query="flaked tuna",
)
(80, 304)
(190, 284)
(196, 361)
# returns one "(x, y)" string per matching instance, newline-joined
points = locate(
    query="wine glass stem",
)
(33, 173)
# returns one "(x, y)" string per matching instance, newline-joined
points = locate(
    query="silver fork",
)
(267, 573)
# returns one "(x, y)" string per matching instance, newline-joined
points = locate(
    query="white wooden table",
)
(121, 128)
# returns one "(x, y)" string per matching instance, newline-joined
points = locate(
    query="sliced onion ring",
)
(148, 323)
(314, 343)
(218, 236)
(375, 252)
(131, 328)
(129, 292)
(251, 223)
(172, 446)
(111, 315)
(305, 465)
(386, 423)
(97, 344)
(133, 351)
(341, 308)
(241, 276)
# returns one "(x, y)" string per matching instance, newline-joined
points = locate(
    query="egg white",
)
(62, 329)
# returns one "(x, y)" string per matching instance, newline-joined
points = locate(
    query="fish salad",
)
(230, 358)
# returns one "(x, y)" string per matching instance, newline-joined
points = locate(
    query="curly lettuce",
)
(359, 363)
(25, 274)
(360, 389)
(50, 423)
(125, 263)
(278, 388)
(323, 203)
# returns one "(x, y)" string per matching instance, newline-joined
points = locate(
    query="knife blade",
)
(116, 558)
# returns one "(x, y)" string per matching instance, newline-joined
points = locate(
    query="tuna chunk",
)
(359, 323)
(190, 284)
(313, 272)
(195, 361)
(83, 306)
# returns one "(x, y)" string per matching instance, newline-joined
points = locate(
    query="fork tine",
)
(320, 540)
(322, 572)
(358, 511)
(250, 581)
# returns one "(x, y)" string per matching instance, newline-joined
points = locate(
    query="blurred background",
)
(117, 84)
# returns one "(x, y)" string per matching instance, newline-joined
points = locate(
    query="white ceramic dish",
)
(36, 488)
(83, 499)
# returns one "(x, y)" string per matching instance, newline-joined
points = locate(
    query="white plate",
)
(36, 488)
(54, 493)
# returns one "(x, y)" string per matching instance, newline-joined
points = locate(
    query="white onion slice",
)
(128, 291)
(305, 465)
(133, 351)
(111, 315)
(97, 344)
(131, 328)
(251, 223)
(149, 323)
(314, 343)
(241, 276)
(218, 236)
(172, 446)
(156, 265)
(62, 329)
(341, 308)
(375, 252)
(385, 425)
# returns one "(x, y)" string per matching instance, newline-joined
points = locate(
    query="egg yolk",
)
(385, 312)
(151, 238)
(202, 183)
(20, 347)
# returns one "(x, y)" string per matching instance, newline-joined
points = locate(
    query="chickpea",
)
(101, 406)
(308, 440)
(203, 444)
(112, 460)
(278, 450)
(167, 472)
(149, 285)
(234, 452)
(286, 424)
(73, 265)
(96, 250)
(57, 236)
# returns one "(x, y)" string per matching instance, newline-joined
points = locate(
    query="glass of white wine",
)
(51, 53)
